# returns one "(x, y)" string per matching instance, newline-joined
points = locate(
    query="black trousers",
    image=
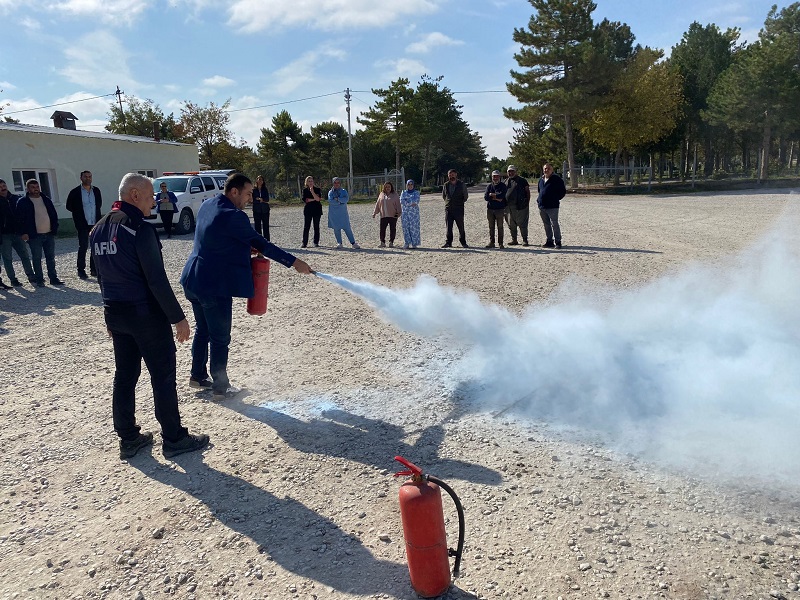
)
(455, 216)
(261, 223)
(308, 219)
(83, 247)
(147, 337)
(391, 222)
(166, 219)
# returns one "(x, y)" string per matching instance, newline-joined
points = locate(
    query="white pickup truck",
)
(191, 190)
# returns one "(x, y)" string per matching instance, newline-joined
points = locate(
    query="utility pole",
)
(349, 143)
(119, 93)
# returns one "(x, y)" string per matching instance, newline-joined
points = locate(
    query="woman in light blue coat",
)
(409, 200)
(338, 217)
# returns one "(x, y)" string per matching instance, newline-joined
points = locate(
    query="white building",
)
(55, 156)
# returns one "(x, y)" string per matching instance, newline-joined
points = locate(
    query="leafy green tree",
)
(285, 144)
(702, 55)
(568, 63)
(760, 92)
(139, 117)
(230, 156)
(328, 149)
(206, 127)
(642, 107)
(389, 118)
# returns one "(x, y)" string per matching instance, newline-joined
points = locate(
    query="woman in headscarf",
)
(409, 200)
(338, 217)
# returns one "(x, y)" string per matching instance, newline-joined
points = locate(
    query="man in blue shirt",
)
(85, 203)
(218, 269)
(139, 306)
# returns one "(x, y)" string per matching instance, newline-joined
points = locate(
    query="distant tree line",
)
(420, 129)
(589, 95)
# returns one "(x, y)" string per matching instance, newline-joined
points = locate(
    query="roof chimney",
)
(64, 120)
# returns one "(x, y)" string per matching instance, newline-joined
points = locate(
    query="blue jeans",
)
(212, 327)
(550, 221)
(12, 240)
(43, 243)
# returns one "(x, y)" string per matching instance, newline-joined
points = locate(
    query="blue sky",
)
(264, 52)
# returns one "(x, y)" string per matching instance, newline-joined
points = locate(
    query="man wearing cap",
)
(551, 191)
(496, 204)
(518, 197)
(455, 196)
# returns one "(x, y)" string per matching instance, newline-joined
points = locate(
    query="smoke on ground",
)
(698, 369)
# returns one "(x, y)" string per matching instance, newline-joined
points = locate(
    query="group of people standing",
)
(389, 205)
(509, 201)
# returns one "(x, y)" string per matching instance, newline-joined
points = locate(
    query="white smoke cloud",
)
(697, 370)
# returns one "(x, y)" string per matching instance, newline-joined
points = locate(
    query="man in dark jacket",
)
(551, 191)
(218, 269)
(139, 306)
(518, 196)
(85, 203)
(495, 197)
(454, 194)
(38, 225)
(11, 238)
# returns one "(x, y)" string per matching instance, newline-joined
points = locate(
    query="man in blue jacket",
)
(551, 191)
(218, 269)
(38, 224)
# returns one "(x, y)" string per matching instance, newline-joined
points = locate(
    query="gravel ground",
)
(295, 496)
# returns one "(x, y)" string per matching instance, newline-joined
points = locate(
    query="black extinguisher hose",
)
(460, 548)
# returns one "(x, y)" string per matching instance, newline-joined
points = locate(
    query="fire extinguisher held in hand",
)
(257, 305)
(424, 532)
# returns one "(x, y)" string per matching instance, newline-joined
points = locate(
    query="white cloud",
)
(92, 114)
(98, 59)
(7, 85)
(302, 70)
(317, 15)
(110, 11)
(218, 81)
(431, 41)
(402, 67)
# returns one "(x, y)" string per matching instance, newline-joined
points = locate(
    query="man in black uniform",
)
(139, 307)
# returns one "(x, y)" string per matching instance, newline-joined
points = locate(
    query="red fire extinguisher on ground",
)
(257, 305)
(424, 532)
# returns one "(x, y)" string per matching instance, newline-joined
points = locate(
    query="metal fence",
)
(362, 186)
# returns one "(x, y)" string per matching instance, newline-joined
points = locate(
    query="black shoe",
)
(129, 448)
(447, 245)
(489, 245)
(501, 246)
(16, 283)
(548, 244)
(465, 245)
(192, 442)
(93, 273)
(39, 283)
(513, 243)
(558, 245)
(56, 281)
(525, 243)
(4, 285)
(304, 246)
(83, 275)
(200, 383)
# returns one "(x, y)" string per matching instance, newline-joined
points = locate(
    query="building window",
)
(147, 173)
(43, 176)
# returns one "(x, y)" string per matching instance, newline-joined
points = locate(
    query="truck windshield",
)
(174, 184)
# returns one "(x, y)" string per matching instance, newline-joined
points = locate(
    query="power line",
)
(285, 102)
(14, 112)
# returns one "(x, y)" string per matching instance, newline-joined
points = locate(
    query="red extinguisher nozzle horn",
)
(412, 468)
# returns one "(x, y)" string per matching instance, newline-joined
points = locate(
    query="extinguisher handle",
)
(412, 468)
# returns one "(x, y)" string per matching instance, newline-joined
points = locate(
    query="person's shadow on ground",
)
(287, 530)
(368, 441)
